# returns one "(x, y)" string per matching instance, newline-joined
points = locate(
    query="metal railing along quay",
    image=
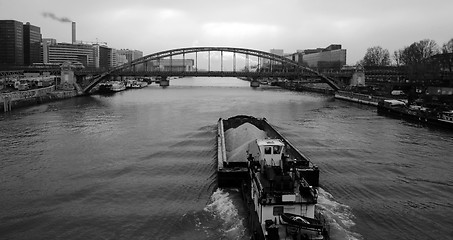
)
(8, 98)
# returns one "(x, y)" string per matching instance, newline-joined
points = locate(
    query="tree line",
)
(414, 54)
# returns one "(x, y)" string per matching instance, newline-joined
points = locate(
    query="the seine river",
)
(141, 164)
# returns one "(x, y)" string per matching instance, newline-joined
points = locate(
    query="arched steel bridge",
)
(289, 67)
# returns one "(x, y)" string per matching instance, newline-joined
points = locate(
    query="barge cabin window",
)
(277, 210)
(268, 149)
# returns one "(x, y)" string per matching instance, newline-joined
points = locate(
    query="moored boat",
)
(134, 83)
(105, 88)
(443, 119)
(111, 87)
(130, 82)
(278, 183)
(446, 116)
(139, 84)
(422, 115)
(118, 86)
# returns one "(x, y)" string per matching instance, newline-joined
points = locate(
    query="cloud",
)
(237, 29)
(237, 33)
(167, 13)
(52, 16)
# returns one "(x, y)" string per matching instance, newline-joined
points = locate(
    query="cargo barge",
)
(278, 183)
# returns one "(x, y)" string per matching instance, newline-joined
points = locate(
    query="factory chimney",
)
(73, 33)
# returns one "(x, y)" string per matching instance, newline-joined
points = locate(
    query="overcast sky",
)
(153, 26)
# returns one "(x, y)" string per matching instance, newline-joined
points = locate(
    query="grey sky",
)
(152, 26)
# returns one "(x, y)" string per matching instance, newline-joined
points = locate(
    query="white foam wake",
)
(338, 215)
(222, 207)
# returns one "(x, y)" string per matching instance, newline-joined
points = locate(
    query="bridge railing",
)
(211, 73)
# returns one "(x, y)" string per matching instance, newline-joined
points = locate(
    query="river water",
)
(141, 164)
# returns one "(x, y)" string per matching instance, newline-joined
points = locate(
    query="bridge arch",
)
(182, 51)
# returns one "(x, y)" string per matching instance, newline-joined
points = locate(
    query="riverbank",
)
(342, 95)
(11, 101)
(308, 87)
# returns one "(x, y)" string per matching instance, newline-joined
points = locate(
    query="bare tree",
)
(417, 52)
(447, 58)
(397, 56)
(376, 56)
(448, 47)
(429, 48)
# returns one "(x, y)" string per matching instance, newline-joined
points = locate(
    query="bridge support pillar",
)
(254, 83)
(164, 82)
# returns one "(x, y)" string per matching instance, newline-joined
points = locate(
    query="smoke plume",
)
(52, 16)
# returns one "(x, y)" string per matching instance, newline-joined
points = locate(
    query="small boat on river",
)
(278, 183)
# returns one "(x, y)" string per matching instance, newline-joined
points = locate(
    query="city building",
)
(32, 44)
(46, 42)
(297, 56)
(102, 57)
(23, 45)
(331, 57)
(96, 56)
(50, 41)
(131, 55)
(11, 43)
(118, 59)
(121, 59)
(278, 52)
(62, 52)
